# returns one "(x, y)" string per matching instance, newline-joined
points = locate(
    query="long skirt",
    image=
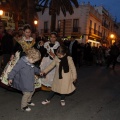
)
(48, 79)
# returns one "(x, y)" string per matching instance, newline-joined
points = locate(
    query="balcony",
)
(76, 29)
(105, 25)
(95, 32)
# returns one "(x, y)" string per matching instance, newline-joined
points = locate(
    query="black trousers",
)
(112, 60)
(52, 93)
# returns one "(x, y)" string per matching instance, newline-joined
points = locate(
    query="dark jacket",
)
(114, 51)
(22, 75)
(7, 44)
(74, 49)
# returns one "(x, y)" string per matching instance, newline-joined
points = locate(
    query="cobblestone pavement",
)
(97, 97)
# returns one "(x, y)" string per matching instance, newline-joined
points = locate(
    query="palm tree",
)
(55, 6)
(21, 10)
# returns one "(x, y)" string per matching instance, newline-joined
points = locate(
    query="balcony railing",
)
(76, 29)
(105, 25)
(93, 31)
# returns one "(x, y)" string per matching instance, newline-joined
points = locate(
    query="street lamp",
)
(35, 23)
(1, 13)
(112, 36)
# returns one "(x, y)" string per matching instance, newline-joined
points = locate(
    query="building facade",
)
(87, 24)
(108, 27)
(8, 21)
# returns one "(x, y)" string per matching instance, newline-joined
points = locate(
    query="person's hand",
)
(42, 73)
(75, 81)
(52, 54)
(12, 56)
(41, 43)
(9, 82)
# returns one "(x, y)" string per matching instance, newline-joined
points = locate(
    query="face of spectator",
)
(53, 38)
(10, 31)
(34, 35)
(27, 33)
(20, 32)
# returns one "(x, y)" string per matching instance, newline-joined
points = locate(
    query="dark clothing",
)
(52, 93)
(88, 54)
(19, 48)
(7, 44)
(1, 36)
(63, 65)
(114, 52)
(42, 50)
(74, 51)
(6, 47)
(22, 75)
(16, 48)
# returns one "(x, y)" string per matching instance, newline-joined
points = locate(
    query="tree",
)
(21, 10)
(55, 6)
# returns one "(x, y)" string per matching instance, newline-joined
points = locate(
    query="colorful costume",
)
(48, 79)
(19, 50)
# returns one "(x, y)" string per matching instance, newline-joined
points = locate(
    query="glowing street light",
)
(1, 13)
(35, 23)
(112, 36)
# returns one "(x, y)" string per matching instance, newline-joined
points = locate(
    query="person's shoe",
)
(27, 109)
(31, 103)
(62, 102)
(45, 102)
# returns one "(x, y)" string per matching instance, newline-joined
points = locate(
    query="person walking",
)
(114, 52)
(22, 77)
(65, 75)
(51, 47)
(7, 46)
(73, 49)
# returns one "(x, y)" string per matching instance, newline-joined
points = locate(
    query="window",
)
(6, 13)
(75, 25)
(94, 28)
(45, 26)
(90, 27)
(99, 28)
(90, 23)
(59, 25)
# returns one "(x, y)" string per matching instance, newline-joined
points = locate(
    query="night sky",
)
(113, 6)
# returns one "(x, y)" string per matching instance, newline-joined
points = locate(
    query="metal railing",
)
(93, 31)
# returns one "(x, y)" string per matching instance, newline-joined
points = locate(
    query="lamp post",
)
(112, 36)
(35, 23)
(1, 13)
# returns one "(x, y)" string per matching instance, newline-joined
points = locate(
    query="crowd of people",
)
(54, 60)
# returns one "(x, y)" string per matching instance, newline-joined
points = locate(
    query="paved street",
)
(97, 97)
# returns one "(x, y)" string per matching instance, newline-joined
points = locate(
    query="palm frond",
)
(56, 5)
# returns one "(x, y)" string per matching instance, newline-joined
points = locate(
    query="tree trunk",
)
(53, 22)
